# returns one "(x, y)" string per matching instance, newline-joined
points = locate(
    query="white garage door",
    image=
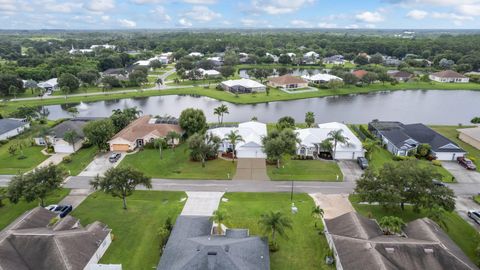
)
(250, 153)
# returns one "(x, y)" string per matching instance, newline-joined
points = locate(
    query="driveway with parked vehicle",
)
(101, 164)
(461, 174)
(350, 169)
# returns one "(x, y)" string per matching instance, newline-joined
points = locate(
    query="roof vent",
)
(390, 250)
(213, 253)
(428, 250)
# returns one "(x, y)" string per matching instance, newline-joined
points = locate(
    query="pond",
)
(244, 73)
(429, 107)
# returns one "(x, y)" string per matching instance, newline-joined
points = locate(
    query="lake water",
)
(429, 107)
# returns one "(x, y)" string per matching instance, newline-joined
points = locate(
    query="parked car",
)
(362, 162)
(114, 157)
(438, 183)
(475, 215)
(467, 163)
(61, 210)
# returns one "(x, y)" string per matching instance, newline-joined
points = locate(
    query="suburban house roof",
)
(209, 72)
(310, 137)
(143, 126)
(471, 132)
(321, 77)
(31, 243)
(252, 133)
(408, 136)
(448, 74)
(191, 246)
(247, 83)
(74, 124)
(115, 71)
(360, 73)
(9, 124)
(50, 83)
(360, 244)
(401, 74)
(310, 54)
(286, 79)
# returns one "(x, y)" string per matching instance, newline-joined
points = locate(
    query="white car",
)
(475, 215)
(51, 207)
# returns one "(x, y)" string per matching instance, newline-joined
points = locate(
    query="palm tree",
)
(317, 213)
(219, 216)
(369, 145)
(309, 118)
(218, 113)
(172, 136)
(275, 222)
(70, 137)
(337, 137)
(233, 137)
(158, 143)
(391, 224)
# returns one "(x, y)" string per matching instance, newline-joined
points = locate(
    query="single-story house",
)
(401, 139)
(11, 127)
(57, 139)
(401, 76)
(291, 55)
(449, 76)
(311, 138)
(334, 59)
(141, 131)
(75, 51)
(33, 242)
(120, 74)
(216, 60)
(359, 243)
(50, 85)
(311, 54)
(392, 61)
(287, 82)
(104, 46)
(209, 73)
(273, 56)
(470, 136)
(321, 78)
(243, 86)
(251, 132)
(195, 54)
(191, 245)
(360, 73)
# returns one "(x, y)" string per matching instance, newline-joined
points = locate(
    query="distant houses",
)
(50, 85)
(449, 76)
(287, 82)
(400, 76)
(195, 54)
(321, 78)
(11, 127)
(359, 73)
(243, 86)
(334, 59)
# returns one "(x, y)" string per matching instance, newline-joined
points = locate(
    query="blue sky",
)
(158, 14)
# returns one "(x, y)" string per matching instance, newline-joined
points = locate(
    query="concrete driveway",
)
(55, 159)
(76, 197)
(201, 203)
(461, 174)
(100, 165)
(333, 205)
(463, 204)
(350, 169)
(251, 169)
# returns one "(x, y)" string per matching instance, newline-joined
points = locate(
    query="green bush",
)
(366, 132)
(3, 142)
(67, 159)
(437, 163)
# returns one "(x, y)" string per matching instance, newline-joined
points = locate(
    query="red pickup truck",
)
(467, 163)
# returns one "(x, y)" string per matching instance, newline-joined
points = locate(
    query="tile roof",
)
(360, 73)
(448, 74)
(286, 79)
(142, 127)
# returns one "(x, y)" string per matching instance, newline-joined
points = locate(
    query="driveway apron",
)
(251, 169)
(201, 203)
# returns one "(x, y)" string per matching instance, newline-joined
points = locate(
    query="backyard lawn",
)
(464, 235)
(452, 133)
(304, 248)
(306, 170)
(176, 164)
(9, 212)
(80, 160)
(136, 243)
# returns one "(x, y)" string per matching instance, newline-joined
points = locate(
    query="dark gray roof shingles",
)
(7, 125)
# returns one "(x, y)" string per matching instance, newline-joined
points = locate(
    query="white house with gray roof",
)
(243, 86)
(12, 127)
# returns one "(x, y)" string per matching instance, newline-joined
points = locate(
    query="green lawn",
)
(464, 235)
(452, 133)
(136, 243)
(306, 170)
(80, 160)
(9, 212)
(304, 249)
(476, 198)
(177, 165)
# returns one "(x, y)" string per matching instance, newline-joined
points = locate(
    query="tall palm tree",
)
(219, 216)
(158, 143)
(172, 136)
(337, 137)
(309, 118)
(233, 138)
(391, 224)
(317, 213)
(224, 110)
(70, 137)
(275, 222)
(218, 113)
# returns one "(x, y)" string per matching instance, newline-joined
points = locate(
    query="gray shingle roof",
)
(191, 246)
(425, 246)
(29, 243)
(7, 125)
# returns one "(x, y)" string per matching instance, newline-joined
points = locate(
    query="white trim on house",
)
(321, 78)
(243, 86)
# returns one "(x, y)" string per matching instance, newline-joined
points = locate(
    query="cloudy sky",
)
(157, 14)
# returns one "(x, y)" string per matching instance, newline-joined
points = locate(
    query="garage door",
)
(250, 153)
(120, 147)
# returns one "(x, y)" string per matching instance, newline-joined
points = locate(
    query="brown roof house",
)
(360, 73)
(287, 82)
(470, 136)
(33, 242)
(449, 76)
(401, 76)
(141, 131)
(359, 243)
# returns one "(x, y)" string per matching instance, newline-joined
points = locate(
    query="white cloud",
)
(451, 16)
(352, 26)
(471, 10)
(184, 23)
(200, 2)
(53, 6)
(369, 17)
(253, 23)
(143, 2)
(127, 23)
(275, 7)
(327, 25)
(201, 13)
(8, 5)
(101, 5)
(105, 18)
(161, 14)
(301, 23)
(417, 14)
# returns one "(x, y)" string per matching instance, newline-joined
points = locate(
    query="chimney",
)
(212, 259)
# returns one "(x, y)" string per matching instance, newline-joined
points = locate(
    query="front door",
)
(139, 142)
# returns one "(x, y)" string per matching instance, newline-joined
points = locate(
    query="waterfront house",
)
(287, 82)
(11, 127)
(321, 78)
(334, 59)
(360, 73)
(401, 76)
(448, 76)
(243, 86)
(195, 54)
(50, 85)
(470, 136)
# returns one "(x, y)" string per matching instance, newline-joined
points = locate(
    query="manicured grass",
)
(80, 160)
(306, 170)
(452, 133)
(136, 243)
(213, 82)
(304, 249)
(9, 212)
(176, 164)
(476, 198)
(464, 235)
